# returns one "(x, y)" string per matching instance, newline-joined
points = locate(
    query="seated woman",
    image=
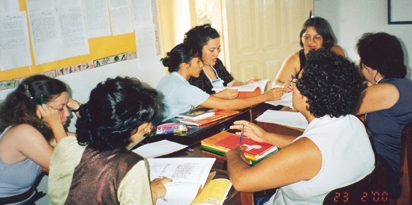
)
(179, 96)
(96, 166)
(315, 33)
(214, 74)
(333, 151)
(29, 132)
(387, 103)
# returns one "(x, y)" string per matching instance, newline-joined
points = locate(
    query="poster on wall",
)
(399, 11)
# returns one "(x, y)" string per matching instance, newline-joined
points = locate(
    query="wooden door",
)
(260, 34)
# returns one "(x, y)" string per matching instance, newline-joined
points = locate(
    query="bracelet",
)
(76, 110)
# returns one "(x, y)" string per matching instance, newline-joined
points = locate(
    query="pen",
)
(41, 117)
(241, 135)
(164, 199)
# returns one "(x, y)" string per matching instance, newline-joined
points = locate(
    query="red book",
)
(254, 148)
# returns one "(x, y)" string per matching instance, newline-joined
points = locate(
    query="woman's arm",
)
(290, 66)
(233, 104)
(338, 50)
(377, 97)
(258, 134)
(298, 161)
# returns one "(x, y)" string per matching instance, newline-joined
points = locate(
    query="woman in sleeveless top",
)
(334, 149)
(29, 132)
(387, 101)
(315, 33)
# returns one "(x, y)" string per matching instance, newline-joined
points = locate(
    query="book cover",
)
(197, 114)
(214, 193)
(252, 147)
(218, 115)
(213, 144)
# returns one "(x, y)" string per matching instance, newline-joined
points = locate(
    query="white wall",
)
(351, 18)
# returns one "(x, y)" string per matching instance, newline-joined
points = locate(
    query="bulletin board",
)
(103, 50)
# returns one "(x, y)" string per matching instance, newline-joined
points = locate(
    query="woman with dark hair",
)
(96, 167)
(315, 33)
(333, 151)
(29, 131)
(206, 40)
(387, 102)
(178, 96)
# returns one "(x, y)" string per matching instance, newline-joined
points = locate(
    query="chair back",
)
(406, 166)
(373, 189)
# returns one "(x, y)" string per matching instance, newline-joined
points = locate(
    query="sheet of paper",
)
(97, 18)
(121, 17)
(287, 118)
(285, 100)
(159, 148)
(14, 41)
(247, 87)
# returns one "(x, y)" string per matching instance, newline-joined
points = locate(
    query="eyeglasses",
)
(315, 38)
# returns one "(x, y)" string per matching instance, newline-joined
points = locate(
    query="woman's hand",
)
(252, 80)
(274, 93)
(73, 104)
(49, 115)
(250, 130)
(227, 94)
(158, 188)
(238, 152)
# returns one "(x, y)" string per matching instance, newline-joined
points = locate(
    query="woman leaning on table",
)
(333, 151)
(214, 74)
(387, 102)
(315, 33)
(95, 166)
(29, 132)
(178, 95)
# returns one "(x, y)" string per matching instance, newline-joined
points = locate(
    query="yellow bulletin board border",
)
(103, 51)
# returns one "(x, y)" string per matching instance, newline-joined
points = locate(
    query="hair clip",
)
(27, 92)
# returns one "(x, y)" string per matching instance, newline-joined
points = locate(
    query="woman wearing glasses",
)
(333, 151)
(316, 33)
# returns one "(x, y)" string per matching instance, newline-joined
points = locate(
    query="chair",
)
(406, 166)
(373, 189)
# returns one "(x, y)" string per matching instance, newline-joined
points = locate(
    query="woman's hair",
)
(199, 36)
(20, 105)
(116, 108)
(382, 52)
(322, 27)
(331, 83)
(181, 53)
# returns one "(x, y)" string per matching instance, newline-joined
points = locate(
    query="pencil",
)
(241, 135)
(41, 118)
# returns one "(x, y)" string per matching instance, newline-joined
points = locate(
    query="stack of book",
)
(222, 142)
(207, 118)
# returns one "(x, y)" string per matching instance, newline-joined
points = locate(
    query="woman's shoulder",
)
(338, 50)
(22, 131)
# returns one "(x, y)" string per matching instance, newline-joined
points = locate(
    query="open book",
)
(247, 90)
(189, 175)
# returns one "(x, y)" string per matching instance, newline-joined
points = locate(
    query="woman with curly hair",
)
(333, 151)
(28, 133)
(96, 166)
